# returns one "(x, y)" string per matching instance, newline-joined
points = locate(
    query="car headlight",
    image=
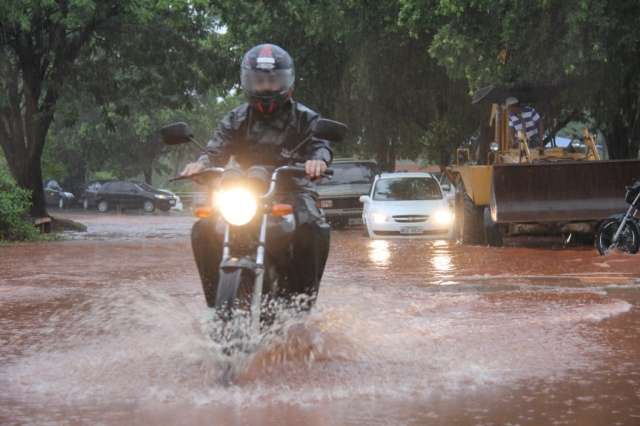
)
(494, 147)
(443, 217)
(161, 197)
(326, 204)
(237, 206)
(379, 217)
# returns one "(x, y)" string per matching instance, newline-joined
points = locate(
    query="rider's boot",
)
(207, 253)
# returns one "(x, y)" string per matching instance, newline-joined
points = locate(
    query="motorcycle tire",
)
(629, 237)
(235, 288)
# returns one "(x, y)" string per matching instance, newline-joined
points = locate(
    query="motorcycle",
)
(256, 227)
(622, 231)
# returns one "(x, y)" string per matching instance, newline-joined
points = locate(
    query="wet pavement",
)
(109, 327)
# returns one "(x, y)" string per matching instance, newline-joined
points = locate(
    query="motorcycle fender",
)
(233, 263)
(631, 221)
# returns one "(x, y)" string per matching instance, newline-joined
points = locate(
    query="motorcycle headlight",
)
(443, 217)
(237, 206)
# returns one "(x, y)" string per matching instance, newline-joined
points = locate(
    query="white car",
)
(406, 204)
(447, 187)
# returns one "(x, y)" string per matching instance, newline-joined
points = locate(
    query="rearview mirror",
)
(333, 131)
(176, 134)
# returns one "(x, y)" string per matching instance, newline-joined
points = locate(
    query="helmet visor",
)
(258, 82)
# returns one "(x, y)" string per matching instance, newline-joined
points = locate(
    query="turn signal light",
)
(203, 212)
(281, 209)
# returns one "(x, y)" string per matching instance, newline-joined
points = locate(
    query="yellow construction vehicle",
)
(525, 190)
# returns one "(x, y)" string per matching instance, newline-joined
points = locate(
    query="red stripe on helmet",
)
(266, 51)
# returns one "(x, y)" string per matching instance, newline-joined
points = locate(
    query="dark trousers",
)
(310, 250)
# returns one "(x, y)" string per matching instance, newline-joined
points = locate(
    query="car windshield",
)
(146, 187)
(407, 189)
(352, 173)
(54, 185)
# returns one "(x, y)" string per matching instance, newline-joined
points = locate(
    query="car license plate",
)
(172, 202)
(411, 230)
(325, 204)
(355, 221)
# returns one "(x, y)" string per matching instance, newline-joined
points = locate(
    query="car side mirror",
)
(364, 198)
(176, 134)
(446, 187)
(333, 131)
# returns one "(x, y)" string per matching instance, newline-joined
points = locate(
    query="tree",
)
(358, 65)
(589, 49)
(47, 43)
(95, 139)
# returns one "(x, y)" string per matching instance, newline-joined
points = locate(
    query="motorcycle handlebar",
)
(299, 169)
(216, 171)
(210, 172)
(207, 173)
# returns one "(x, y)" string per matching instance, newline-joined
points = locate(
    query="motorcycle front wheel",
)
(628, 241)
(234, 292)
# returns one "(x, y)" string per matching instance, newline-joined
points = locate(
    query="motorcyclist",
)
(262, 132)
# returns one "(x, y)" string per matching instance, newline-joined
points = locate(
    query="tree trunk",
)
(27, 171)
(618, 141)
(148, 174)
(30, 178)
(22, 137)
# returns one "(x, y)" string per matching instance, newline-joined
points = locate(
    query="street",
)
(110, 327)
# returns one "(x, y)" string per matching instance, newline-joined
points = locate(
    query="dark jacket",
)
(253, 139)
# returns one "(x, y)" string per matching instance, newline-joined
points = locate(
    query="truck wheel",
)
(492, 231)
(470, 221)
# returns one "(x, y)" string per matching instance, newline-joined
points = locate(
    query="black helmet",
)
(267, 77)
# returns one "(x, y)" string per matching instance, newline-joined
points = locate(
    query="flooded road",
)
(111, 327)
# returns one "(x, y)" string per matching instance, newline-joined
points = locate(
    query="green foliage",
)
(104, 60)
(399, 73)
(102, 175)
(14, 208)
(100, 143)
(358, 65)
(589, 48)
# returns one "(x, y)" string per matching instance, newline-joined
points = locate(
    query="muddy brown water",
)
(109, 327)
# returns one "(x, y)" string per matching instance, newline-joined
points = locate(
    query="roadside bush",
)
(14, 208)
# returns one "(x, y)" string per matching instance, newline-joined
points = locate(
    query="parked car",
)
(54, 195)
(339, 196)
(178, 206)
(132, 195)
(88, 197)
(406, 204)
